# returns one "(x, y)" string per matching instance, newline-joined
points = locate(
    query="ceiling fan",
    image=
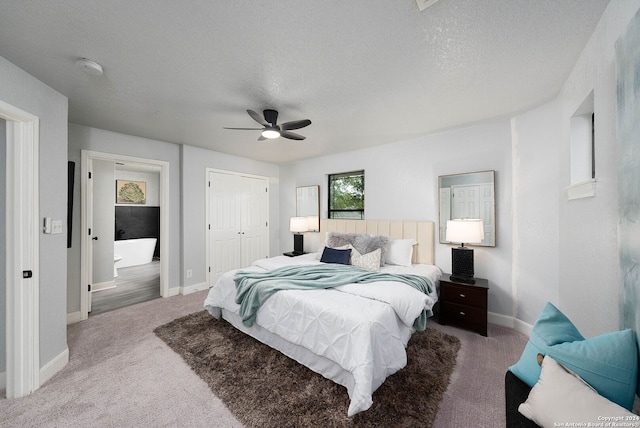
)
(272, 129)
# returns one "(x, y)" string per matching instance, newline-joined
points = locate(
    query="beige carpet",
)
(120, 374)
(264, 388)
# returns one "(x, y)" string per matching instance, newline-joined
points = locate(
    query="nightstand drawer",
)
(464, 295)
(464, 316)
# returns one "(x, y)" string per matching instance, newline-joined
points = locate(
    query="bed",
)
(354, 334)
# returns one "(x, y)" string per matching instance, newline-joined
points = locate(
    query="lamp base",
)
(298, 243)
(463, 279)
(462, 265)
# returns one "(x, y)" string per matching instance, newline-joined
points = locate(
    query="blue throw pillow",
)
(331, 255)
(609, 363)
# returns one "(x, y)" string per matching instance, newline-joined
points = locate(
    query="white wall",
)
(86, 138)
(588, 249)
(195, 161)
(401, 181)
(548, 248)
(536, 197)
(25, 92)
(3, 285)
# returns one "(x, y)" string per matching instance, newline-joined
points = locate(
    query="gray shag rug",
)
(264, 388)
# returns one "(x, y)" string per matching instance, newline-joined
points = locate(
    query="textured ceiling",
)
(366, 72)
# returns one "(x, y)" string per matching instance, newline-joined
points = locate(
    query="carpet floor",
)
(264, 388)
(120, 374)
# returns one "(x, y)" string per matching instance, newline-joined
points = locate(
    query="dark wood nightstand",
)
(464, 305)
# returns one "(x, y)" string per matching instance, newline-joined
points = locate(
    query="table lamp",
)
(470, 231)
(297, 225)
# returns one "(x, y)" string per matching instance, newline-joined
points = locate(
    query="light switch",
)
(56, 227)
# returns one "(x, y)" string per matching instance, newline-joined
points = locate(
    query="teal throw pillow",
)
(609, 363)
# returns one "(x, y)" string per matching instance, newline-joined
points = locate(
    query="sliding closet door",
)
(238, 215)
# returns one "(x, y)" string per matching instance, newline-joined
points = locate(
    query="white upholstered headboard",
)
(421, 231)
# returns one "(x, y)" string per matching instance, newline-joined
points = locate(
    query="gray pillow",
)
(362, 242)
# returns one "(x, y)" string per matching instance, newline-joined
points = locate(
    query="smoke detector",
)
(423, 4)
(89, 66)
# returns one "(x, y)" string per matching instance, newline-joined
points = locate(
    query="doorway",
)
(114, 283)
(21, 345)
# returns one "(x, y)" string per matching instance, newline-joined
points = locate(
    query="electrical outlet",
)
(189, 273)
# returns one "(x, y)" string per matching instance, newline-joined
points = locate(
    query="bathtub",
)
(134, 251)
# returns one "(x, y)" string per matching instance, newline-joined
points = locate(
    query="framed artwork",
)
(131, 192)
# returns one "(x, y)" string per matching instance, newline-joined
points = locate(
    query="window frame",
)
(330, 211)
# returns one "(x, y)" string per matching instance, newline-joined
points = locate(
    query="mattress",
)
(354, 334)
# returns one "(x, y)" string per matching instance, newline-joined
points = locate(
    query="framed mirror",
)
(308, 205)
(470, 195)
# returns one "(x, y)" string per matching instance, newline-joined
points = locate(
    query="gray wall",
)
(195, 161)
(21, 90)
(3, 284)
(85, 138)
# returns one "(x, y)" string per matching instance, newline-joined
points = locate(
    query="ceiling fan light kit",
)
(271, 129)
(270, 133)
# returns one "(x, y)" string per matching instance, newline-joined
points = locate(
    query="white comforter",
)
(363, 328)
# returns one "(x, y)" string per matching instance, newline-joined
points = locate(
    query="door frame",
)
(85, 252)
(22, 249)
(207, 186)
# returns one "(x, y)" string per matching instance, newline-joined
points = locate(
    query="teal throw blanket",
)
(254, 288)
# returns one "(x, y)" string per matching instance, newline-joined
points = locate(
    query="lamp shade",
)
(298, 224)
(312, 223)
(468, 230)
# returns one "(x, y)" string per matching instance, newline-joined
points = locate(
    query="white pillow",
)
(561, 396)
(369, 261)
(400, 252)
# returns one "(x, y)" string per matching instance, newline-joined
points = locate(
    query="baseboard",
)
(193, 288)
(103, 286)
(74, 317)
(46, 372)
(509, 322)
(174, 291)
(523, 327)
(54, 366)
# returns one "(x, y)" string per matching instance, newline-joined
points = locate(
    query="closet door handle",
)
(95, 238)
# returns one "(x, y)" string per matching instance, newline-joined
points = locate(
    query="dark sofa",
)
(516, 392)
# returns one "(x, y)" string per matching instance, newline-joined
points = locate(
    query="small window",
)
(346, 195)
(582, 139)
(583, 155)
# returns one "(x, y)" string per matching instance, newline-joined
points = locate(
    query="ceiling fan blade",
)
(270, 116)
(296, 124)
(246, 129)
(257, 118)
(291, 135)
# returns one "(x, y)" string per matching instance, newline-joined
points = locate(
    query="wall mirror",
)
(470, 195)
(308, 205)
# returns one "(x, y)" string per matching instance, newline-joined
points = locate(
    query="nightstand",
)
(464, 305)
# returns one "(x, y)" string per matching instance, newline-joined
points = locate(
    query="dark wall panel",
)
(138, 222)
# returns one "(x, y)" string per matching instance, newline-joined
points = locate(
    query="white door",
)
(475, 202)
(465, 202)
(238, 222)
(100, 215)
(445, 211)
(254, 227)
